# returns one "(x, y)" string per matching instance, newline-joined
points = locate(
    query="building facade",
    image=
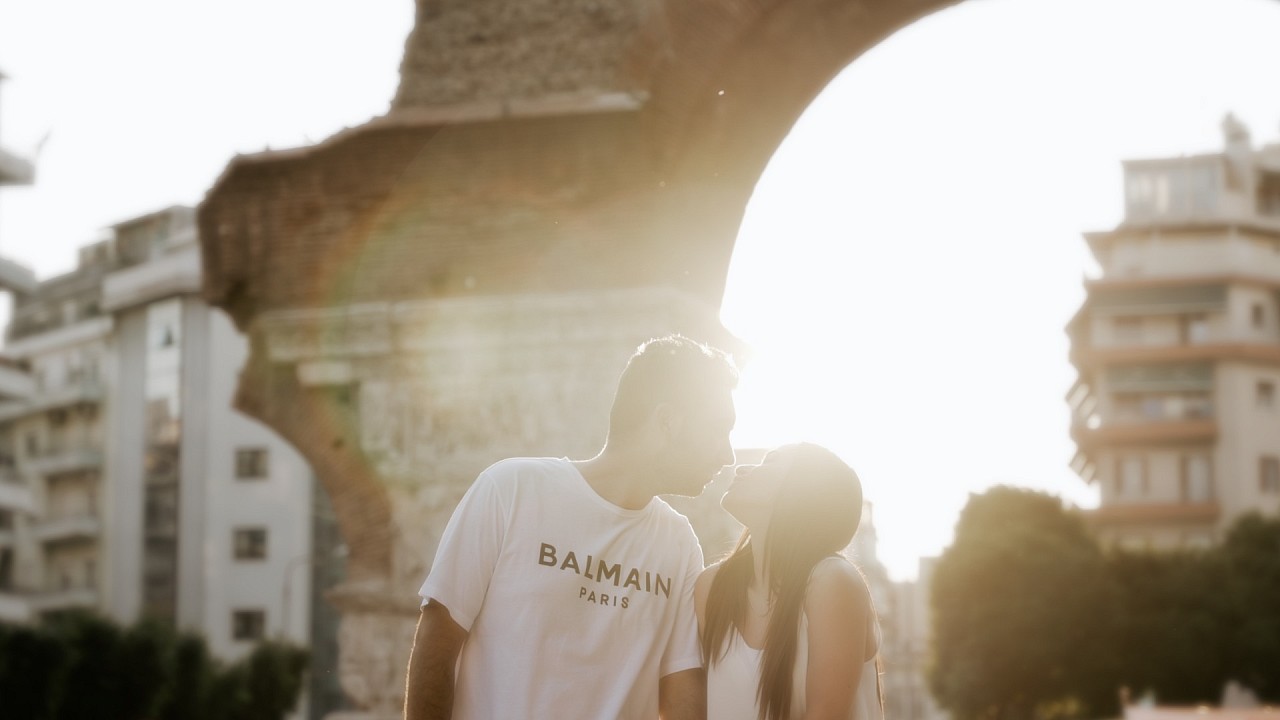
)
(16, 501)
(144, 493)
(908, 649)
(53, 436)
(1175, 413)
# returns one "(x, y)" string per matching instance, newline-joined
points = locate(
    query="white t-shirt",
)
(575, 607)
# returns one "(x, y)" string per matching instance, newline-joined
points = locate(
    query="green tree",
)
(1251, 557)
(273, 679)
(186, 690)
(92, 670)
(1020, 615)
(82, 665)
(1170, 622)
(32, 663)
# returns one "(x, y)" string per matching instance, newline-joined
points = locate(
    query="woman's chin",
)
(731, 506)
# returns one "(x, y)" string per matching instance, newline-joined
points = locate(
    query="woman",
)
(788, 632)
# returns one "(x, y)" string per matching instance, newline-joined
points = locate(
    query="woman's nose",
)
(743, 470)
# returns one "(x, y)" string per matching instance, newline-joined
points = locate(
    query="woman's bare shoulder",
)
(836, 581)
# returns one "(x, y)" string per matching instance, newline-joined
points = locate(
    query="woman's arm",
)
(838, 606)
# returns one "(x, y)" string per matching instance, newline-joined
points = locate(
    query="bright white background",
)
(906, 266)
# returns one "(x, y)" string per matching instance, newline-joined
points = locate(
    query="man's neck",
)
(615, 476)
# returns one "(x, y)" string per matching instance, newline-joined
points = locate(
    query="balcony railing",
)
(1151, 432)
(65, 458)
(74, 527)
(14, 608)
(42, 399)
(65, 599)
(15, 382)
(14, 494)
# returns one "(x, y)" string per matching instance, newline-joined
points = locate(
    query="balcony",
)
(15, 382)
(14, 608)
(1189, 513)
(16, 277)
(65, 599)
(14, 494)
(15, 170)
(1154, 354)
(74, 527)
(1082, 465)
(164, 276)
(64, 459)
(1155, 432)
(41, 400)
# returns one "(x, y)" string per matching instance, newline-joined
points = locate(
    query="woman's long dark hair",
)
(814, 517)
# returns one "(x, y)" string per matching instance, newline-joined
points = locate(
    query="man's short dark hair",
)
(669, 369)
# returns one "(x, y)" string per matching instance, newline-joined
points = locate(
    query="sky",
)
(906, 265)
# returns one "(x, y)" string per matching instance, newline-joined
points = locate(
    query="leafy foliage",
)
(82, 665)
(1032, 621)
(1251, 556)
(1170, 620)
(1019, 621)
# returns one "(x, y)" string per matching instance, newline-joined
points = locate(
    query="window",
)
(1131, 476)
(1259, 315)
(1197, 478)
(250, 543)
(1269, 474)
(1269, 194)
(1128, 329)
(1193, 329)
(1266, 394)
(248, 624)
(251, 463)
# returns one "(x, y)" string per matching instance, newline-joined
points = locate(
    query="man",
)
(565, 589)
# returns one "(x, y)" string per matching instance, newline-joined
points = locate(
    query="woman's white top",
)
(733, 680)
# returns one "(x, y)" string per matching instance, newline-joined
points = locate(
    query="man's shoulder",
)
(663, 509)
(527, 468)
(528, 465)
(677, 527)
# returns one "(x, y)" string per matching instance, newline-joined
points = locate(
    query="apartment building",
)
(143, 491)
(16, 501)
(53, 436)
(1175, 412)
(210, 512)
(908, 635)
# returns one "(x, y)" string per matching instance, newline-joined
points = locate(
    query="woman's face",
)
(750, 499)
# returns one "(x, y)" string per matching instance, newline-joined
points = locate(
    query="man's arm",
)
(683, 695)
(428, 693)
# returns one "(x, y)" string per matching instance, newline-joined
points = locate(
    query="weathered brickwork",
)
(465, 50)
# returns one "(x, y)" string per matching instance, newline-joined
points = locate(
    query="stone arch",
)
(556, 179)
